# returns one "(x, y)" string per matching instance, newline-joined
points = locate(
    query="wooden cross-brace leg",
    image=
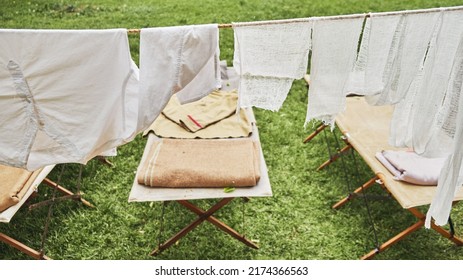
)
(203, 216)
(315, 133)
(26, 249)
(67, 193)
(421, 221)
(334, 157)
(22, 247)
(360, 189)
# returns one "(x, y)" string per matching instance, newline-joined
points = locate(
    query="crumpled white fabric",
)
(268, 57)
(182, 60)
(334, 50)
(65, 95)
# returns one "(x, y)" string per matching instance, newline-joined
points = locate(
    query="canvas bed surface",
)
(367, 129)
(8, 214)
(141, 193)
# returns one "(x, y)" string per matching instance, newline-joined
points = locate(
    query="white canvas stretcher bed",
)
(7, 215)
(32, 187)
(141, 193)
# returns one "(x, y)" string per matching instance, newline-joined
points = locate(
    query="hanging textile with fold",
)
(268, 57)
(66, 95)
(181, 60)
(334, 49)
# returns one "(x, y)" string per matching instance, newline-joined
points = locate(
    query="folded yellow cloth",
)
(204, 163)
(14, 183)
(210, 117)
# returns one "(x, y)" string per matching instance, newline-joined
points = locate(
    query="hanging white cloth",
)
(268, 57)
(422, 75)
(405, 53)
(180, 60)
(65, 95)
(403, 80)
(389, 67)
(449, 121)
(441, 56)
(451, 174)
(334, 50)
(379, 33)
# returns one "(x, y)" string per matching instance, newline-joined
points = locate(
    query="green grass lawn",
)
(297, 222)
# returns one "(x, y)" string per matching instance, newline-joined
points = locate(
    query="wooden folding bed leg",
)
(458, 241)
(204, 215)
(66, 192)
(334, 157)
(421, 217)
(394, 240)
(22, 247)
(365, 186)
(315, 133)
(221, 225)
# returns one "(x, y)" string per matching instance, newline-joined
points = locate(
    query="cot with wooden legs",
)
(17, 186)
(365, 129)
(185, 195)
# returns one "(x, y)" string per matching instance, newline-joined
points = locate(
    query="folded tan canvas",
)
(204, 163)
(210, 117)
(14, 183)
(410, 167)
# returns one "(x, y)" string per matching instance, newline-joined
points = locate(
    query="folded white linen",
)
(412, 168)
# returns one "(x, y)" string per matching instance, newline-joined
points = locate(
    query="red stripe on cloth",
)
(193, 120)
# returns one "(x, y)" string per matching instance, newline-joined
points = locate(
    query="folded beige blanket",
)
(219, 163)
(14, 183)
(210, 117)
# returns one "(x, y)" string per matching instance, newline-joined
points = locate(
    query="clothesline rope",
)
(352, 16)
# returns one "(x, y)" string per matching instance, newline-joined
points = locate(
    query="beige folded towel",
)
(202, 163)
(14, 183)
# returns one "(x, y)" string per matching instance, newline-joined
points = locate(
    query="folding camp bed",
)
(142, 193)
(365, 129)
(27, 184)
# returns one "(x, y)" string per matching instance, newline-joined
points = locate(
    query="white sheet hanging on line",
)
(389, 64)
(65, 95)
(409, 80)
(422, 75)
(405, 55)
(334, 49)
(451, 173)
(268, 57)
(441, 56)
(180, 60)
(449, 124)
(371, 63)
